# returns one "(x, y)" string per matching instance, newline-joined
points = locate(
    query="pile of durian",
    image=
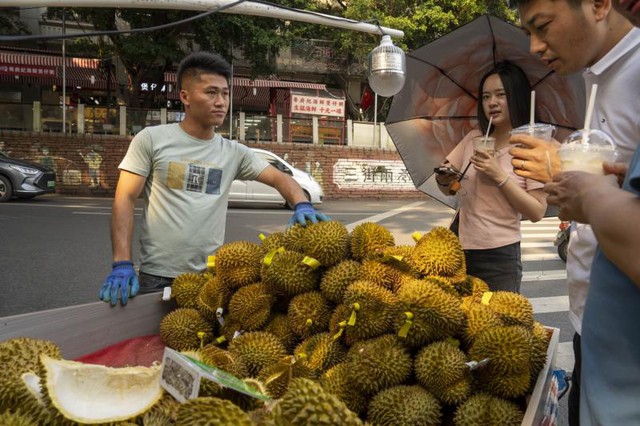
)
(337, 328)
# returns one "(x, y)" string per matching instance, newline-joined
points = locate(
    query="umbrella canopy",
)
(437, 105)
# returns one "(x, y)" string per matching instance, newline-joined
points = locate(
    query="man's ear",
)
(184, 97)
(601, 9)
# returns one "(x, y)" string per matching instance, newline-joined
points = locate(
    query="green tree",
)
(10, 23)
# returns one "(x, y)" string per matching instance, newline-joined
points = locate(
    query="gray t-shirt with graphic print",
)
(185, 195)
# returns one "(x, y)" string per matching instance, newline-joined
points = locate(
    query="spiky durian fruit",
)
(185, 329)
(445, 283)
(309, 314)
(277, 377)
(258, 349)
(539, 345)
(306, 403)
(426, 313)
(220, 358)
(336, 381)
(336, 279)
(250, 306)
(320, 352)
(327, 242)
(273, 241)
(479, 318)
(478, 286)
(441, 368)
(211, 411)
(213, 295)
(484, 409)
(369, 240)
(371, 310)
(163, 413)
(238, 263)
(507, 386)
(18, 356)
(379, 364)
(507, 347)
(16, 418)
(404, 405)
(439, 253)
(294, 238)
(186, 288)
(280, 327)
(512, 308)
(289, 273)
(381, 273)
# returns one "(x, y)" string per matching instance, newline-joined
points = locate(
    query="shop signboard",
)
(27, 70)
(316, 105)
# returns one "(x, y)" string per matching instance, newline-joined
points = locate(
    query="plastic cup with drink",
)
(585, 150)
(485, 144)
(537, 130)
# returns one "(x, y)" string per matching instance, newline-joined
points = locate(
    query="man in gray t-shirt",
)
(185, 171)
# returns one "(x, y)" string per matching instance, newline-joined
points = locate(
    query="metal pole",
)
(231, 100)
(375, 120)
(64, 74)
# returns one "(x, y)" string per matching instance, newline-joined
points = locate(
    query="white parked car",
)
(256, 192)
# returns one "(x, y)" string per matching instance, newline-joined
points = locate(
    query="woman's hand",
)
(488, 164)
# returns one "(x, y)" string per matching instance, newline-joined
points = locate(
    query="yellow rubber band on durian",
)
(211, 262)
(352, 318)
(201, 337)
(221, 339)
(262, 237)
(416, 236)
(404, 330)
(311, 262)
(269, 257)
(342, 325)
(486, 297)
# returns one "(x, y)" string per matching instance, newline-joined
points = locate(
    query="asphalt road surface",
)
(55, 251)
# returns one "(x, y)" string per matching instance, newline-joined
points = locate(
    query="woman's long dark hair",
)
(518, 91)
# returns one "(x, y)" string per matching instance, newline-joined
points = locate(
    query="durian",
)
(186, 288)
(211, 412)
(309, 314)
(327, 242)
(238, 263)
(185, 329)
(250, 306)
(483, 409)
(336, 279)
(258, 349)
(369, 240)
(406, 406)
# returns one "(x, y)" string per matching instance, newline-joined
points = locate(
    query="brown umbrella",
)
(437, 105)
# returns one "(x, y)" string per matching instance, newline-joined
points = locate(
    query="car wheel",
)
(287, 205)
(6, 189)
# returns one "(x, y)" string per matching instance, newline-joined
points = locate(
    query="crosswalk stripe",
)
(538, 235)
(545, 305)
(540, 228)
(537, 244)
(534, 257)
(564, 356)
(558, 274)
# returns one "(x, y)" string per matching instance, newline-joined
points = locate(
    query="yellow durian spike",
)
(404, 330)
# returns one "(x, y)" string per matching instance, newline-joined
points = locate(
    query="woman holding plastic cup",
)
(491, 197)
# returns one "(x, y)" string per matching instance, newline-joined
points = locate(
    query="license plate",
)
(51, 184)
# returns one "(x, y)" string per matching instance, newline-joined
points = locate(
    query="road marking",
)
(101, 213)
(537, 244)
(545, 235)
(545, 305)
(535, 257)
(382, 216)
(559, 274)
(564, 356)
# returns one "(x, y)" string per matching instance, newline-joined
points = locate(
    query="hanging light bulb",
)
(387, 66)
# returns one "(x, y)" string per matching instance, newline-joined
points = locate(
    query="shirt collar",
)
(629, 42)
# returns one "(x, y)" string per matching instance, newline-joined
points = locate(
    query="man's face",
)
(206, 99)
(566, 38)
(630, 9)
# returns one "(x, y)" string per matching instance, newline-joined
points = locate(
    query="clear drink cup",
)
(542, 131)
(586, 150)
(484, 143)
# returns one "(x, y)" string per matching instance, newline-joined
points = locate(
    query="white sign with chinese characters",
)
(372, 175)
(316, 105)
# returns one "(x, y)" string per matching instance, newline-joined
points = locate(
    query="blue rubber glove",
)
(123, 280)
(304, 211)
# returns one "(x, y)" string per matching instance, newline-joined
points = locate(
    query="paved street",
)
(55, 251)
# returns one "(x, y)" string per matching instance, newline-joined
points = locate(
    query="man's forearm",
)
(122, 229)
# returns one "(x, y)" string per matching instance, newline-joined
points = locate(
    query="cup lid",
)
(588, 140)
(529, 128)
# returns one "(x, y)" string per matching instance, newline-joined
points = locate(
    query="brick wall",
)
(76, 170)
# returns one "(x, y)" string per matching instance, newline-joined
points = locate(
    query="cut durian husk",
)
(88, 393)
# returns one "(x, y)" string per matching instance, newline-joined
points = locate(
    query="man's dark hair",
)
(518, 91)
(202, 63)
(514, 4)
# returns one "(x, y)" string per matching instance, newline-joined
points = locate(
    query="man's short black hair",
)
(514, 4)
(202, 63)
(516, 87)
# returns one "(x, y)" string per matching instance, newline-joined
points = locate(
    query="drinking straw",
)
(592, 101)
(488, 128)
(532, 112)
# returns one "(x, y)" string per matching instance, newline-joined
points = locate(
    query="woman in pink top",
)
(492, 199)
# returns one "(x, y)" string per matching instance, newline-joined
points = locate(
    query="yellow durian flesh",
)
(88, 393)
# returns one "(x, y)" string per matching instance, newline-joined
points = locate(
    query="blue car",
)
(24, 179)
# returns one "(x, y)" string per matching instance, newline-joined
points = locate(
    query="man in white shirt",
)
(588, 35)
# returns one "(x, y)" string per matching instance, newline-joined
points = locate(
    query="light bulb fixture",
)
(255, 91)
(386, 68)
